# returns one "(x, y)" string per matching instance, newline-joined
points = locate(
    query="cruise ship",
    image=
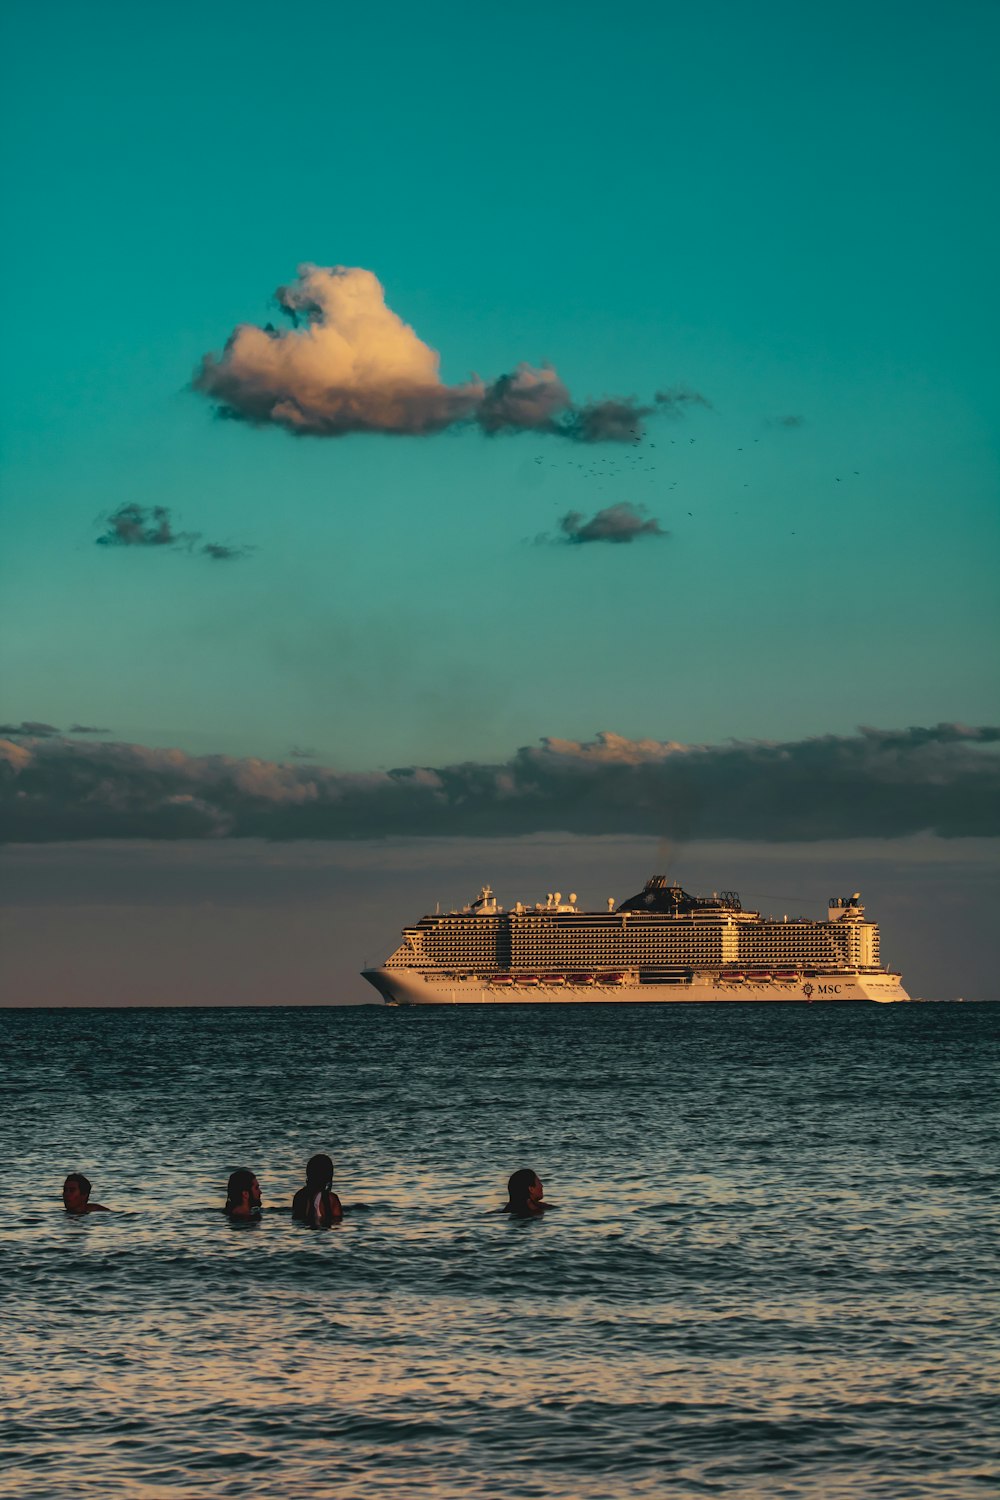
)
(661, 945)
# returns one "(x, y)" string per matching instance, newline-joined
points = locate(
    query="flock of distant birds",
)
(133, 525)
(607, 469)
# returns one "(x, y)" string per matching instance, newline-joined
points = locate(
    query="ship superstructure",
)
(662, 944)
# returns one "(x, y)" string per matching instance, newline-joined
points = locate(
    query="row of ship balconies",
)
(534, 953)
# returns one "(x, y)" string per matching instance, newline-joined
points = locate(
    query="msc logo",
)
(828, 989)
(807, 990)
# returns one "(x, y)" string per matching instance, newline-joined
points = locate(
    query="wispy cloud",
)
(348, 363)
(219, 552)
(133, 525)
(874, 784)
(613, 421)
(616, 524)
(33, 729)
(30, 728)
(672, 402)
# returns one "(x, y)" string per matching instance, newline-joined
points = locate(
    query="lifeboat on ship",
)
(502, 979)
(580, 978)
(785, 976)
(612, 978)
(759, 976)
(525, 978)
(552, 979)
(733, 978)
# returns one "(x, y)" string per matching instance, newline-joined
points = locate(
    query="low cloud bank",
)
(874, 784)
(348, 363)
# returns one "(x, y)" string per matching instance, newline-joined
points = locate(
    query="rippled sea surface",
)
(771, 1269)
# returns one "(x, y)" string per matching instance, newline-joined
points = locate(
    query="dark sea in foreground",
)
(772, 1270)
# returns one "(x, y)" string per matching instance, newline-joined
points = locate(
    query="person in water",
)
(316, 1203)
(524, 1195)
(243, 1199)
(76, 1196)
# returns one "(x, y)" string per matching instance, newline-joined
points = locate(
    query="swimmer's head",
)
(524, 1187)
(319, 1173)
(242, 1182)
(76, 1193)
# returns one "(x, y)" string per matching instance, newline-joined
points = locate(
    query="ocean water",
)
(771, 1268)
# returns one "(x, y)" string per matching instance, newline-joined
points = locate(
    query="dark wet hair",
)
(241, 1181)
(519, 1183)
(83, 1183)
(319, 1173)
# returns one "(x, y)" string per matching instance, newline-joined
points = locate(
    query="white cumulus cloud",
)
(348, 363)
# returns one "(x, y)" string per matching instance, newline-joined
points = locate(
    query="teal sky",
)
(790, 210)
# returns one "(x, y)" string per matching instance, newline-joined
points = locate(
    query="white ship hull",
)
(414, 987)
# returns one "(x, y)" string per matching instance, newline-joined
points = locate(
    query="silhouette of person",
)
(243, 1200)
(316, 1203)
(524, 1195)
(76, 1196)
